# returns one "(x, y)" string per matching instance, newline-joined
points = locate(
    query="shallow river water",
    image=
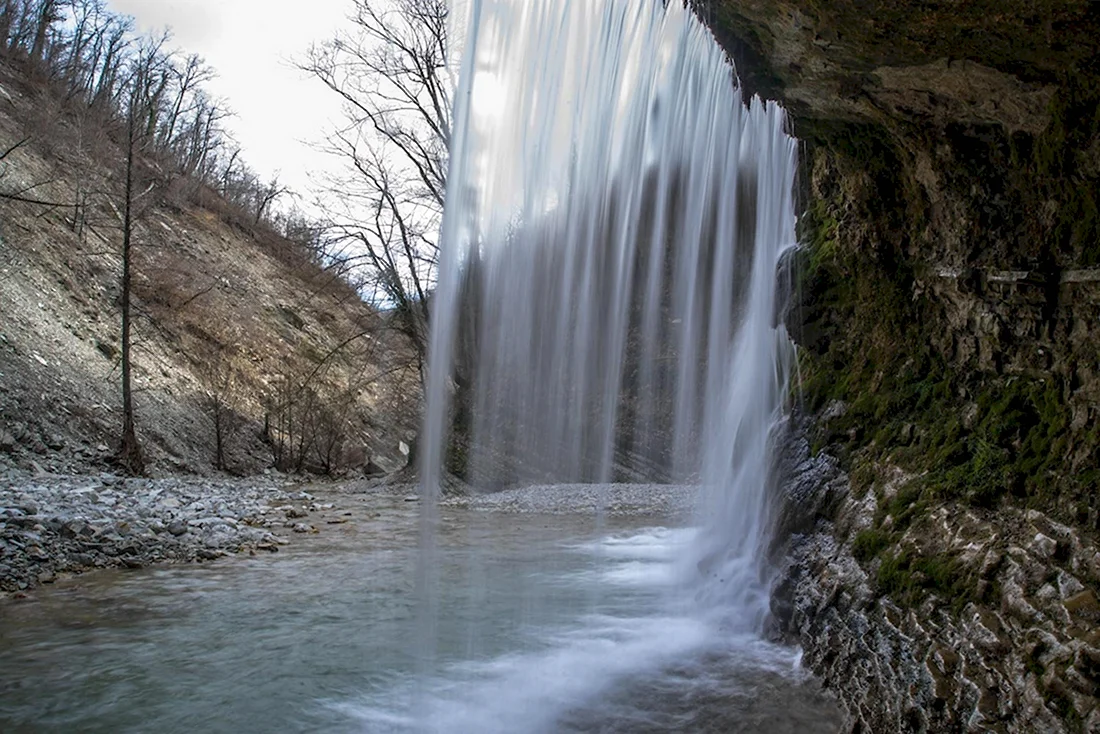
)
(546, 624)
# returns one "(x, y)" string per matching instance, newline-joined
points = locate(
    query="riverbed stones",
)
(612, 499)
(51, 525)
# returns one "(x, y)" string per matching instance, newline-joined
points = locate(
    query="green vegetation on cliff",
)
(949, 300)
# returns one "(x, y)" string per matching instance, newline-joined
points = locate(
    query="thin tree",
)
(129, 451)
(391, 75)
(142, 95)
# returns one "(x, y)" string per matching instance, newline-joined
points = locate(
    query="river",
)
(549, 623)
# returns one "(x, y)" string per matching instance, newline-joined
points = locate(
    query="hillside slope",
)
(235, 327)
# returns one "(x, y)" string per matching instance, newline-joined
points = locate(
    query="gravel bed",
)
(54, 525)
(561, 499)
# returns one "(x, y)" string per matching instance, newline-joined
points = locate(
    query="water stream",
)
(317, 638)
(609, 293)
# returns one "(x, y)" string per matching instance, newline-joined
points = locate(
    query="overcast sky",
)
(251, 44)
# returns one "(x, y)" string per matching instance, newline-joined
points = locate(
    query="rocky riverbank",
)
(53, 525)
(56, 525)
(964, 621)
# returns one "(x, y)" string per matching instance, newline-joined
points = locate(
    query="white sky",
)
(251, 44)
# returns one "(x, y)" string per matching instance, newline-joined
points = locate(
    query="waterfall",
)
(616, 215)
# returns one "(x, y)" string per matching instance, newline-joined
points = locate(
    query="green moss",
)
(909, 579)
(869, 543)
(1066, 711)
(894, 577)
(862, 477)
(819, 229)
(907, 504)
(874, 338)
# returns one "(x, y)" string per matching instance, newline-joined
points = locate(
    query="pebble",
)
(1044, 546)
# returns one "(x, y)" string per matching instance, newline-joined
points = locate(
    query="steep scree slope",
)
(231, 320)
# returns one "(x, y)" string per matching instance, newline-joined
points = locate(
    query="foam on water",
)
(644, 663)
(530, 692)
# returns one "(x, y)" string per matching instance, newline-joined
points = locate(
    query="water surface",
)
(547, 624)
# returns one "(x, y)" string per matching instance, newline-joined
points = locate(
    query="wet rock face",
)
(829, 60)
(1008, 642)
(949, 314)
(952, 188)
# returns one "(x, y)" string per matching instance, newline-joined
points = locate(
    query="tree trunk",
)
(46, 12)
(129, 452)
(219, 433)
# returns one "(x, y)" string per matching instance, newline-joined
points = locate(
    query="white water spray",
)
(607, 299)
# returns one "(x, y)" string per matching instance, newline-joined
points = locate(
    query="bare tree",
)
(221, 377)
(188, 80)
(144, 88)
(390, 73)
(266, 196)
(47, 12)
(129, 452)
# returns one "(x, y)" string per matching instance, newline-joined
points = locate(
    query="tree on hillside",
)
(390, 73)
(146, 84)
(100, 93)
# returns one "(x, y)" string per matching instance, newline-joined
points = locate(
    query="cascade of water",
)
(615, 217)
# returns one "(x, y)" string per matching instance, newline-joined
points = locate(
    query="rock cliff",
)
(949, 319)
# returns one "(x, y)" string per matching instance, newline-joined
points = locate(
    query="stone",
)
(1083, 605)
(7, 442)
(1047, 593)
(1044, 546)
(177, 528)
(1087, 662)
(77, 528)
(36, 553)
(990, 564)
(1068, 586)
